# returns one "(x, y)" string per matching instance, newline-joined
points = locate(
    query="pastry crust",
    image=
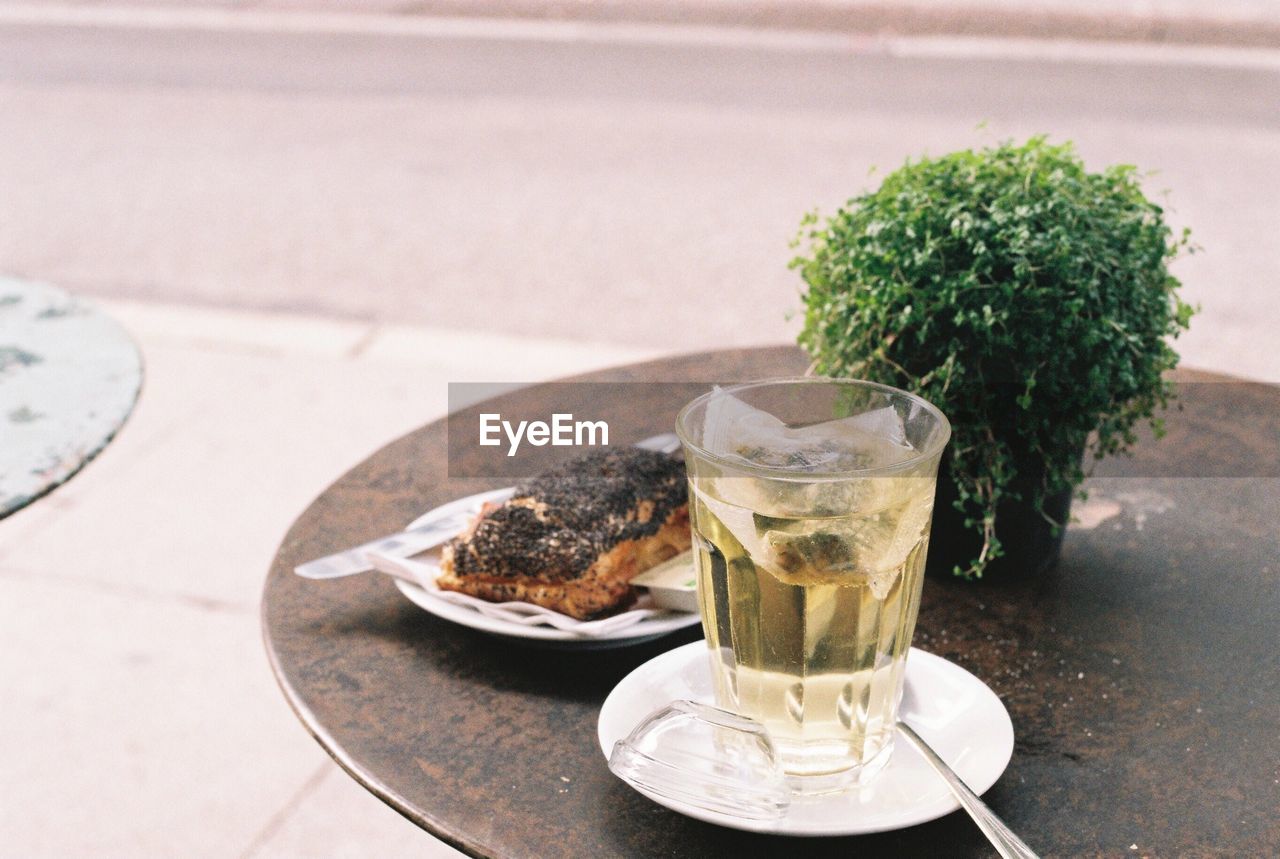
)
(571, 540)
(603, 588)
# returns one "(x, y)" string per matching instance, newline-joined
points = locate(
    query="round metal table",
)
(1141, 674)
(69, 378)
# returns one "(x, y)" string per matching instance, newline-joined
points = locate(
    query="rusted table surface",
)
(1142, 675)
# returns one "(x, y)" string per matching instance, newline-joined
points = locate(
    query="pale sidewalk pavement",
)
(140, 717)
(1253, 23)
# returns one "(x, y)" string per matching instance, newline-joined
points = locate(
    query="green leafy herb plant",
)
(1028, 297)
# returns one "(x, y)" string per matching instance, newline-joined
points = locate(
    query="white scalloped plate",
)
(461, 613)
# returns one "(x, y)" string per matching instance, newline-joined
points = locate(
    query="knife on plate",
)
(428, 535)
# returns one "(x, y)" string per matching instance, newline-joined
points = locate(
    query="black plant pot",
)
(1031, 546)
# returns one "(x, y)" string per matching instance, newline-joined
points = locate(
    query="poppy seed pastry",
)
(572, 539)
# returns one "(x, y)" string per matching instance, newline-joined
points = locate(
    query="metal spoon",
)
(1007, 844)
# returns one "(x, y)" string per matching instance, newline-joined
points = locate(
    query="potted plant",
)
(1030, 299)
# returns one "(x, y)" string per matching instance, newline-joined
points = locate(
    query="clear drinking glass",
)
(810, 501)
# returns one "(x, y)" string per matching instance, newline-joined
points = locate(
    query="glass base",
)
(858, 775)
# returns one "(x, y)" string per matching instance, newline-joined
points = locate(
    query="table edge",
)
(348, 764)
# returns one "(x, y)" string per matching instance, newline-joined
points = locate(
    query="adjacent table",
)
(69, 377)
(1142, 676)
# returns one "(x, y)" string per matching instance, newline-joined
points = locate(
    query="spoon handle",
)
(1007, 844)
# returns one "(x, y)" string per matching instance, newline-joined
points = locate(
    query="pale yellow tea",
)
(810, 565)
(811, 618)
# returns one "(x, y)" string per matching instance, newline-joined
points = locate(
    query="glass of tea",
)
(810, 502)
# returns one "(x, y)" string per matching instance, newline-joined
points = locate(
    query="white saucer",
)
(641, 631)
(952, 710)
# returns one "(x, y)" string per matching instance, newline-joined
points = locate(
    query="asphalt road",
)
(632, 185)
